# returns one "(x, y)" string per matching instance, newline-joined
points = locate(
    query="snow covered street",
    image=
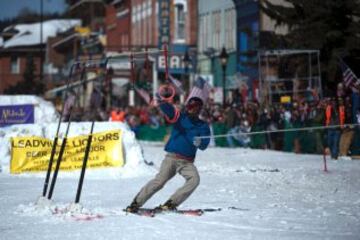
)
(280, 196)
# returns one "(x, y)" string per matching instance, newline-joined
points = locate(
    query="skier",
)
(181, 151)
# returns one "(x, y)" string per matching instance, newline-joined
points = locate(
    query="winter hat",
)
(194, 102)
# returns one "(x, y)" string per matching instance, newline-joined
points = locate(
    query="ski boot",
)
(167, 206)
(133, 207)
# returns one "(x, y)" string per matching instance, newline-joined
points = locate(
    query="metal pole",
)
(319, 77)
(53, 150)
(268, 82)
(83, 169)
(87, 151)
(155, 77)
(62, 148)
(224, 91)
(260, 81)
(41, 41)
(310, 70)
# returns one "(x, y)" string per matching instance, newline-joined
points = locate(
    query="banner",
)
(32, 154)
(16, 114)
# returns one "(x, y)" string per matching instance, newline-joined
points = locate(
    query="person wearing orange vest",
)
(117, 115)
(334, 116)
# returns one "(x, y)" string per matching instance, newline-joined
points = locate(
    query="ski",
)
(188, 212)
(86, 215)
(145, 212)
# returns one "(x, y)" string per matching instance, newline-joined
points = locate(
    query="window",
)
(133, 15)
(180, 19)
(15, 65)
(230, 28)
(216, 29)
(206, 27)
(201, 34)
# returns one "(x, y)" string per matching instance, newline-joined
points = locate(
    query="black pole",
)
(87, 150)
(62, 150)
(53, 149)
(47, 178)
(83, 169)
(223, 83)
(63, 145)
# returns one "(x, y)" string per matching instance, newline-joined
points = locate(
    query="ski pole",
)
(62, 148)
(83, 169)
(53, 149)
(324, 157)
(87, 150)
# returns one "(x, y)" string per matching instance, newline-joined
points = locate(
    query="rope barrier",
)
(279, 131)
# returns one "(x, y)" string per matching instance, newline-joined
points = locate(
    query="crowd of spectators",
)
(248, 124)
(244, 124)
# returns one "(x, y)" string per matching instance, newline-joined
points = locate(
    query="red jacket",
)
(328, 113)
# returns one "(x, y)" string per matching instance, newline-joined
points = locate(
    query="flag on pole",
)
(201, 89)
(177, 84)
(349, 78)
(143, 94)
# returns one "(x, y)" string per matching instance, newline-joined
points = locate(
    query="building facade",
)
(23, 45)
(118, 25)
(217, 30)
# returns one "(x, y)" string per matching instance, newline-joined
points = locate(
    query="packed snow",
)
(279, 196)
(263, 195)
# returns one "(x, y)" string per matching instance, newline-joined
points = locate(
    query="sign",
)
(32, 154)
(16, 114)
(285, 99)
(218, 95)
(83, 31)
(176, 64)
(164, 23)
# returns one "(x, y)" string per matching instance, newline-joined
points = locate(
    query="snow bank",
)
(45, 111)
(46, 124)
(134, 160)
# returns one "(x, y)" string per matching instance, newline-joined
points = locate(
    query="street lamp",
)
(224, 58)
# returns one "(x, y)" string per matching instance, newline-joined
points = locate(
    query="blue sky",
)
(11, 8)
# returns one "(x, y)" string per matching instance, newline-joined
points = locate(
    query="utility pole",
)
(41, 41)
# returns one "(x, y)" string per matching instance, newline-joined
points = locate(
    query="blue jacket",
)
(183, 132)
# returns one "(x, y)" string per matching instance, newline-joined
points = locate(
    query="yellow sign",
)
(285, 99)
(32, 154)
(84, 31)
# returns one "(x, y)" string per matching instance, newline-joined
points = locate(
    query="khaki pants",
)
(169, 167)
(346, 138)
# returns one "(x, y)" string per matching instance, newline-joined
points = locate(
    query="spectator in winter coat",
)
(334, 115)
(181, 150)
(347, 133)
(240, 135)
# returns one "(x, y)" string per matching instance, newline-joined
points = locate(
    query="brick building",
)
(118, 25)
(20, 43)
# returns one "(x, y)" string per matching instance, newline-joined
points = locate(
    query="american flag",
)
(144, 94)
(177, 84)
(201, 89)
(349, 77)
